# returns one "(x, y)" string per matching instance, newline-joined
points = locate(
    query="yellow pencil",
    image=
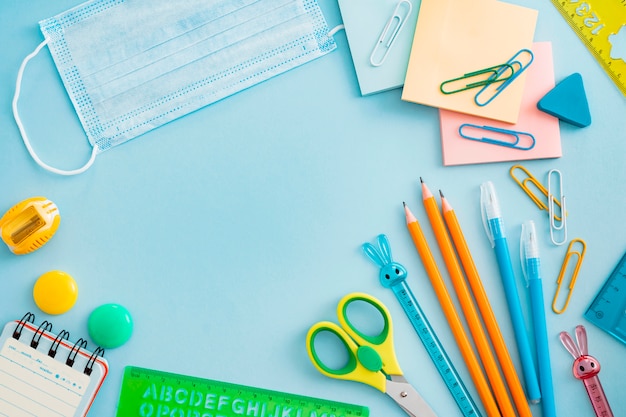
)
(515, 386)
(462, 340)
(467, 304)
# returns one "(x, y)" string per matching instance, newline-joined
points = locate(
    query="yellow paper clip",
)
(397, 19)
(530, 179)
(580, 254)
(559, 225)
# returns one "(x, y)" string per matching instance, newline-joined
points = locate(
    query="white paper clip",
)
(386, 40)
(558, 222)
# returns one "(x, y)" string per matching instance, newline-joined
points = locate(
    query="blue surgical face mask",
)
(130, 66)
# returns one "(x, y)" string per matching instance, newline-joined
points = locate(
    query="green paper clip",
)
(493, 76)
(510, 138)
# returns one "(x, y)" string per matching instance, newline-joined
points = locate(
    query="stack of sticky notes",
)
(474, 60)
(380, 33)
(544, 128)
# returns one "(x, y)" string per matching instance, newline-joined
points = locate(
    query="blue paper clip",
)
(505, 133)
(518, 68)
(396, 19)
(493, 76)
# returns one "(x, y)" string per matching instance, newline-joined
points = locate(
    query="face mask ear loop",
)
(334, 30)
(18, 121)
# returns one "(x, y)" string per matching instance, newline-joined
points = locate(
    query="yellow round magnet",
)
(55, 292)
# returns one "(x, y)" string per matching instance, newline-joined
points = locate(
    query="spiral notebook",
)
(44, 374)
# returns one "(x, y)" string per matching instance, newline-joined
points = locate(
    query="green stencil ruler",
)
(608, 310)
(150, 393)
(601, 25)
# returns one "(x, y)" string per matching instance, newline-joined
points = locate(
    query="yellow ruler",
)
(598, 24)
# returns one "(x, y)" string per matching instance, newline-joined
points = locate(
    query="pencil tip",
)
(404, 204)
(421, 180)
(441, 193)
(410, 218)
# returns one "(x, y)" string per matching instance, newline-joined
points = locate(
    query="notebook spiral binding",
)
(46, 326)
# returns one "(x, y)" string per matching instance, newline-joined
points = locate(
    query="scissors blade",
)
(408, 398)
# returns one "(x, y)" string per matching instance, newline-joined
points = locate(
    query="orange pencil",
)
(467, 304)
(462, 340)
(515, 386)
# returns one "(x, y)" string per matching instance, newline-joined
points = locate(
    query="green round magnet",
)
(110, 326)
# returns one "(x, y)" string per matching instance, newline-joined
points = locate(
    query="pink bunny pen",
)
(586, 368)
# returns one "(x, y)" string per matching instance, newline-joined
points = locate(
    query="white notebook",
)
(45, 374)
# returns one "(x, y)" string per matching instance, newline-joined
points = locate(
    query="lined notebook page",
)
(37, 383)
(34, 384)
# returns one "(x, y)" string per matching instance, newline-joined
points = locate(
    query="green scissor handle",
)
(367, 355)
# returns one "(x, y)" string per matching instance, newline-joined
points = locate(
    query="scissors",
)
(371, 359)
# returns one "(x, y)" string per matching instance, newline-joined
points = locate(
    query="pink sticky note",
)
(453, 38)
(544, 128)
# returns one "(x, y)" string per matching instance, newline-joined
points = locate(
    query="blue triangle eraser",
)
(568, 101)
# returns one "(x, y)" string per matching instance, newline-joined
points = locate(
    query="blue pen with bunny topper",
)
(393, 276)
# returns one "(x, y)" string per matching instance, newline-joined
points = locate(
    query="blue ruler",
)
(435, 350)
(608, 309)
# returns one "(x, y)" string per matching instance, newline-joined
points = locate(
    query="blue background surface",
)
(228, 232)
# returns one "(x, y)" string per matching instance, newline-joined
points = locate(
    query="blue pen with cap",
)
(494, 226)
(531, 265)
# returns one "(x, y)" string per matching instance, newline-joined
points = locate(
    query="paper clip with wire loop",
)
(523, 141)
(517, 64)
(493, 75)
(531, 180)
(564, 267)
(557, 224)
(390, 33)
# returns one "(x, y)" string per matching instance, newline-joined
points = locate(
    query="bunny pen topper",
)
(391, 273)
(586, 368)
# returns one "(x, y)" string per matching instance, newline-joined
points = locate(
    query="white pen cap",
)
(529, 240)
(489, 200)
(489, 210)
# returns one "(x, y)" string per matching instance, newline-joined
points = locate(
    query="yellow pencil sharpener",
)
(29, 224)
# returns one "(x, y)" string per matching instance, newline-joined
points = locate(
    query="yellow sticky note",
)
(453, 38)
